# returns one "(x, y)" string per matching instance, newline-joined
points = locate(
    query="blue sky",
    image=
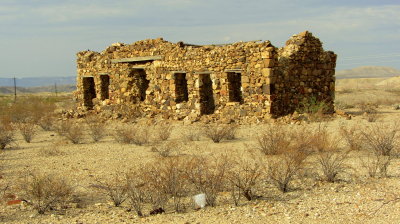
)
(41, 37)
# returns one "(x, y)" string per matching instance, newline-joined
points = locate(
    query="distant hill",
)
(368, 72)
(40, 89)
(39, 81)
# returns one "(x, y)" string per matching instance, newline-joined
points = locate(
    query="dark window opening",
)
(234, 87)
(181, 89)
(138, 84)
(89, 91)
(104, 87)
(207, 104)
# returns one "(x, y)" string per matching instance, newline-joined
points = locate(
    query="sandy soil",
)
(354, 199)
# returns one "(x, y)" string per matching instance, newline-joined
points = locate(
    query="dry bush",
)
(166, 179)
(137, 134)
(6, 134)
(168, 149)
(369, 111)
(208, 175)
(97, 128)
(231, 131)
(352, 136)
(273, 139)
(27, 130)
(47, 122)
(376, 165)
(285, 167)
(245, 176)
(71, 131)
(381, 143)
(52, 150)
(215, 132)
(115, 189)
(45, 192)
(31, 109)
(381, 139)
(332, 163)
(136, 191)
(163, 131)
(192, 134)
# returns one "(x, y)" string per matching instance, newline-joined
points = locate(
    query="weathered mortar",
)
(248, 81)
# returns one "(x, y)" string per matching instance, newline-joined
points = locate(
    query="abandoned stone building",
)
(245, 80)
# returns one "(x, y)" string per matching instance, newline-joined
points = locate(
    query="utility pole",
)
(55, 88)
(15, 89)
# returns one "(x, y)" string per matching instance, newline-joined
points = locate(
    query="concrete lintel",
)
(88, 76)
(175, 72)
(138, 67)
(201, 73)
(137, 59)
(234, 70)
(104, 73)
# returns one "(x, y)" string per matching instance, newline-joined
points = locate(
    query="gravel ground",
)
(356, 199)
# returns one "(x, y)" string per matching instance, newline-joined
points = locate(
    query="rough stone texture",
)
(247, 81)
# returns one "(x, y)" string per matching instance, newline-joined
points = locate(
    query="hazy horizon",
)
(41, 38)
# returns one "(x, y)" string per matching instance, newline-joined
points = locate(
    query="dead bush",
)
(332, 163)
(45, 192)
(132, 134)
(136, 191)
(166, 179)
(6, 134)
(27, 130)
(208, 175)
(192, 134)
(285, 167)
(46, 122)
(231, 131)
(97, 128)
(71, 131)
(215, 132)
(52, 150)
(381, 139)
(115, 189)
(352, 137)
(273, 139)
(30, 109)
(244, 177)
(168, 149)
(163, 131)
(376, 165)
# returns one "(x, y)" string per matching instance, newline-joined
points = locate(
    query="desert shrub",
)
(313, 107)
(215, 132)
(381, 143)
(27, 130)
(137, 134)
(136, 191)
(45, 192)
(285, 167)
(192, 134)
(168, 149)
(71, 131)
(376, 164)
(115, 189)
(6, 134)
(231, 131)
(53, 149)
(163, 131)
(208, 175)
(332, 163)
(352, 137)
(244, 177)
(46, 122)
(381, 139)
(166, 179)
(369, 111)
(97, 128)
(273, 139)
(30, 109)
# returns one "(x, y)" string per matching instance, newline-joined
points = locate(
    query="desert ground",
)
(340, 176)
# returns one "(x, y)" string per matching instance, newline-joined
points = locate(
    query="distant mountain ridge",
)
(368, 72)
(39, 81)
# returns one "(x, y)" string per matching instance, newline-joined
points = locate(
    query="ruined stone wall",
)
(248, 81)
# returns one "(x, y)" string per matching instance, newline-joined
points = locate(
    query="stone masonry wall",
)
(246, 81)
